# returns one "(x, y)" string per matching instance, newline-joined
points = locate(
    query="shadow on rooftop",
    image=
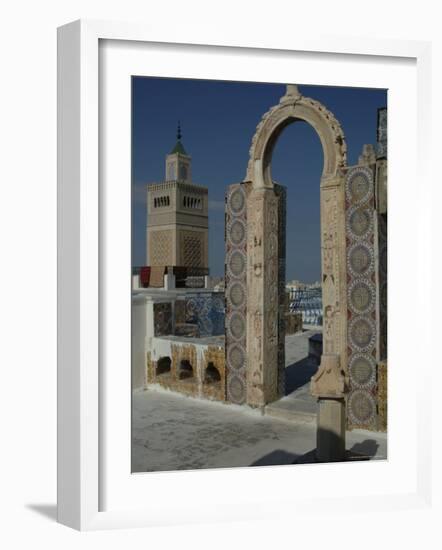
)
(298, 374)
(276, 458)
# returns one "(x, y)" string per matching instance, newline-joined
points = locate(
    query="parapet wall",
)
(195, 369)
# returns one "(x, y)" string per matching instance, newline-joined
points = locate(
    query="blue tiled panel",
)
(207, 310)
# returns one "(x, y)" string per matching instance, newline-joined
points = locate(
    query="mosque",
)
(177, 318)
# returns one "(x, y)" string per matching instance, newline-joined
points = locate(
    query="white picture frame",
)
(80, 297)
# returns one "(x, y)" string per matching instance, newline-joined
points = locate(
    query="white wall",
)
(138, 342)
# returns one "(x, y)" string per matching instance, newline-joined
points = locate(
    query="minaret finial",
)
(292, 89)
(178, 145)
(291, 93)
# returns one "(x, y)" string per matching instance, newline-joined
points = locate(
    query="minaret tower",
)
(177, 215)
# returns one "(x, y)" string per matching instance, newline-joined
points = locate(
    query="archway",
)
(255, 257)
(297, 162)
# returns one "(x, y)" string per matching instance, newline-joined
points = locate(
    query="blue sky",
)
(218, 120)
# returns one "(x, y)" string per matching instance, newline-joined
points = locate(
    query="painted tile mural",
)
(206, 310)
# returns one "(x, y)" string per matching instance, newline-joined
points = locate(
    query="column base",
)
(330, 435)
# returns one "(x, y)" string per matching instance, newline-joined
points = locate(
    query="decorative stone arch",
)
(294, 107)
(262, 378)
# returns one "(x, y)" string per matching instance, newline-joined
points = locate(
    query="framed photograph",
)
(223, 269)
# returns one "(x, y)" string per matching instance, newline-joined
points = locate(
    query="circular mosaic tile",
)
(237, 294)
(237, 201)
(359, 185)
(236, 325)
(362, 333)
(236, 356)
(362, 370)
(359, 222)
(361, 407)
(362, 296)
(360, 259)
(237, 232)
(236, 389)
(236, 263)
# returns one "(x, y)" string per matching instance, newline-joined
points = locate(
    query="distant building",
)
(306, 299)
(177, 216)
(294, 285)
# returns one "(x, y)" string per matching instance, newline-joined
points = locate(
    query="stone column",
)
(333, 250)
(330, 435)
(329, 386)
(262, 303)
(330, 382)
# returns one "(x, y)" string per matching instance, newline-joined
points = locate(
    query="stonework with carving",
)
(330, 381)
(293, 106)
(330, 245)
(264, 301)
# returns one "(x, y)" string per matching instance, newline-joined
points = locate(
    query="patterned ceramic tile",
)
(162, 313)
(361, 298)
(235, 280)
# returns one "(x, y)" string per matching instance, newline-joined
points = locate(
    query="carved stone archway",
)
(262, 379)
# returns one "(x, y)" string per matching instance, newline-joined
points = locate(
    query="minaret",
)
(177, 215)
(178, 162)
